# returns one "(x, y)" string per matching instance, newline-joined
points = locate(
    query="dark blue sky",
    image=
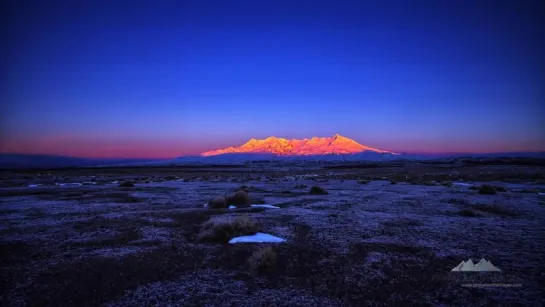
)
(160, 78)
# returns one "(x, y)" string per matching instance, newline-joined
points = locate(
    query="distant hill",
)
(16, 161)
(10, 161)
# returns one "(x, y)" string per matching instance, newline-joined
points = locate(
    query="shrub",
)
(364, 181)
(393, 182)
(222, 229)
(316, 190)
(240, 199)
(468, 212)
(447, 184)
(529, 191)
(218, 203)
(486, 189)
(262, 260)
(301, 186)
(126, 184)
(500, 189)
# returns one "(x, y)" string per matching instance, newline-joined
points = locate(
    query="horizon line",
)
(438, 154)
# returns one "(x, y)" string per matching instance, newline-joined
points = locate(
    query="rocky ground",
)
(380, 236)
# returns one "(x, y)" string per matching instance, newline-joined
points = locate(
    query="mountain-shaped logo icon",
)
(481, 266)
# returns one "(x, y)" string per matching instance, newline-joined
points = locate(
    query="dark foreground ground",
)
(391, 241)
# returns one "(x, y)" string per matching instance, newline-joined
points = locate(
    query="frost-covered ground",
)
(371, 244)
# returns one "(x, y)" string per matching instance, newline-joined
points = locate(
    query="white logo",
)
(482, 266)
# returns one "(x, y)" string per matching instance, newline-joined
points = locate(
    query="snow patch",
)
(265, 206)
(257, 238)
(34, 185)
(258, 206)
(462, 184)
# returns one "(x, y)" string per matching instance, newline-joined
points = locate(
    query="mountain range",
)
(336, 148)
(335, 145)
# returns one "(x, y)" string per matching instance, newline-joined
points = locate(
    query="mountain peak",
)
(337, 144)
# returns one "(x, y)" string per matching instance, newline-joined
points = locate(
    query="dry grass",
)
(468, 213)
(218, 203)
(240, 199)
(494, 209)
(126, 184)
(221, 229)
(488, 189)
(262, 260)
(316, 190)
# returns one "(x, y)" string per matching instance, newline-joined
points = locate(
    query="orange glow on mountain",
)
(336, 144)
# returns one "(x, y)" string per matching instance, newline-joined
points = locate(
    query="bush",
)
(218, 203)
(486, 189)
(222, 229)
(240, 199)
(393, 182)
(126, 184)
(364, 181)
(500, 189)
(447, 184)
(468, 212)
(262, 260)
(316, 190)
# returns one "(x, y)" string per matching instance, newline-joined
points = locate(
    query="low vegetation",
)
(468, 213)
(487, 189)
(240, 199)
(221, 229)
(316, 190)
(218, 203)
(126, 184)
(262, 260)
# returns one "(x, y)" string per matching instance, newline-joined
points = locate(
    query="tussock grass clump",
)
(218, 203)
(529, 191)
(221, 229)
(240, 199)
(316, 190)
(494, 209)
(262, 260)
(468, 213)
(126, 184)
(487, 189)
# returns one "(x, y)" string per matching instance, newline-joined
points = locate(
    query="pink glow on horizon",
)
(119, 147)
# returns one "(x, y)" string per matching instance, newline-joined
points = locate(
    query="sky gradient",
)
(163, 79)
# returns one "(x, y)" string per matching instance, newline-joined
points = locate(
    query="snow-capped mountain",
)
(336, 144)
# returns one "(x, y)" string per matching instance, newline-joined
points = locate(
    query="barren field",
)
(380, 236)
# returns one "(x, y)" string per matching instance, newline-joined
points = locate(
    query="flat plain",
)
(384, 234)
